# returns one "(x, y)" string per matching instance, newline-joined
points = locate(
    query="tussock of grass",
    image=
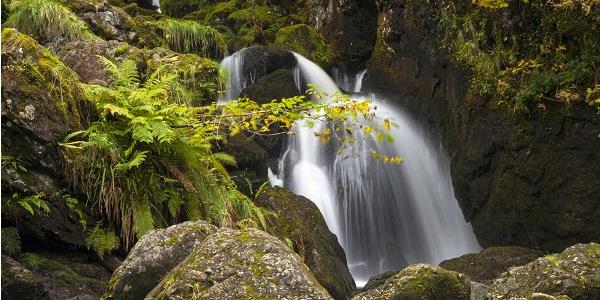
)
(192, 37)
(47, 19)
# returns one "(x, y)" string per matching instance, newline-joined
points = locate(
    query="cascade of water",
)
(351, 84)
(232, 66)
(385, 216)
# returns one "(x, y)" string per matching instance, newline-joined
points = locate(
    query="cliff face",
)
(524, 180)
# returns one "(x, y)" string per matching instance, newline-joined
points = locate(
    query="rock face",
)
(421, 282)
(153, 256)
(275, 86)
(18, 282)
(520, 181)
(306, 41)
(233, 264)
(573, 273)
(107, 21)
(488, 265)
(300, 221)
(42, 102)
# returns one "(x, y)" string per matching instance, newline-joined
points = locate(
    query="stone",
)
(306, 41)
(246, 264)
(573, 273)
(11, 241)
(421, 281)
(18, 282)
(300, 222)
(153, 256)
(490, 263)
(275, 86)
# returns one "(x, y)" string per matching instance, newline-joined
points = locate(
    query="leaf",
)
(26, 206)
(225, 158)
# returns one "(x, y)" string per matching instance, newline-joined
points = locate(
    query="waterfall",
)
(385, 216)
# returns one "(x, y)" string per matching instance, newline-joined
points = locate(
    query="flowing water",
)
(385, 216)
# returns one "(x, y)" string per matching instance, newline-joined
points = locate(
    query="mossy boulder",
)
(275, 86)
(488, 265)
(180, 8)
(67, 275)
(82, 57)
(18, 282)
(573, 272)
(306, 41)
(421, 281)
(200, 75)
(300, 222)
(246, 264)
(11, 241)
(153, 256)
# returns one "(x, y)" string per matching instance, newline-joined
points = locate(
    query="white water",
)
(385, 216)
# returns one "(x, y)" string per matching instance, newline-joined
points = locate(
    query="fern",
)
(47, 19)
(102, 240)
(192, 37)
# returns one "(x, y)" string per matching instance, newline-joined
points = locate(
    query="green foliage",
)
(33, 204)
(551, 52)
(47, 19)
(102, 240)
(192, 37)
(305, 40)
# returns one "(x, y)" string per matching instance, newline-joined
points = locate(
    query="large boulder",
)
(109, 22)
(299, 220)
(153, 256)
(574, 273)
(275, 86)
(421, 282)
(42, 102)
(82, 57)
(234, 264)
(18, 282)
(490, 263)
(526, 181)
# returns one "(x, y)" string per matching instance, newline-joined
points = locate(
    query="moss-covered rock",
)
(200, 75)
(67, 276)
(421, 282)
(573, 272)
(247, 264)
(18, 282)
(11, 241)
(180, 8)
(300, 222)
(306, 41)
(82, 57)
(153, 256)
(486, 266)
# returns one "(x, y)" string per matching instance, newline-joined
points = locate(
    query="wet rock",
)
(233, 264)
(573, 272)
(18, 282)
(275, 86)
(300, 222)
(378, 280)
(306, 41)
(82, 57)
(421, 282)
(153, 256)
(488, 265)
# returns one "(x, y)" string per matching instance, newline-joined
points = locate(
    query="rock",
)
(486, 266)
(260, 61)
(300, 222)
(573, 272)
(251, 158)
(82, 57)
(109, 22)
(304, 40)
(11, 241)
(180, 8)
(200, 75)
(233, 264)
(153, 256)
(67, 276)
(526, 181)
(18, 282)
(377, 280)
(275, 86)
(421, 281)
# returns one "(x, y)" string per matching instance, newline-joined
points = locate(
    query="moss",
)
(306, 41)
(11, 241)
(180, 8)
(123, 49)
